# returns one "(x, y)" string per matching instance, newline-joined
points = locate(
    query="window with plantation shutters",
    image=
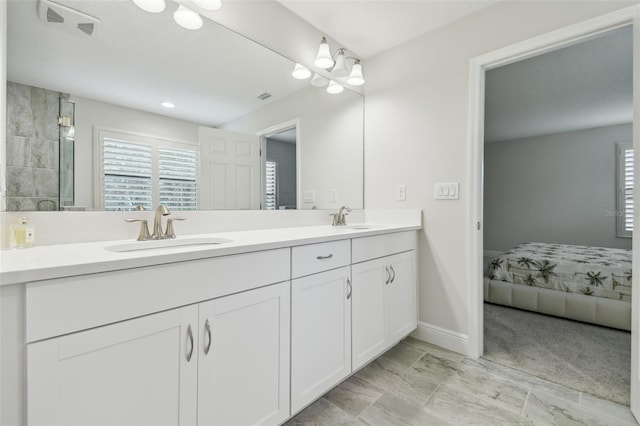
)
(271, 185)
(140, 171)
(624, 213)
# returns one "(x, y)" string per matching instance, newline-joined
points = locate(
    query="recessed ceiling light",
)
(187, 18)
(153, 6)
(168, 104)
(209, 4)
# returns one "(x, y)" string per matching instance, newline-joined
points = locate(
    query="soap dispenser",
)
(22, 234)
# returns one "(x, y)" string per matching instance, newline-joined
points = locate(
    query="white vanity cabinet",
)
(320, 319)
(384, 304)
(142, 371)
(243, 358)
(217, 362)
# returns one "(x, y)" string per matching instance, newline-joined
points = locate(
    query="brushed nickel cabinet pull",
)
(386, 268)
(329, 256)
(190, 336)
(350, 289)
(207, 329)
(393, 277)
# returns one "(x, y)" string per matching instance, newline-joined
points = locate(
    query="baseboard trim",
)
(451, 340)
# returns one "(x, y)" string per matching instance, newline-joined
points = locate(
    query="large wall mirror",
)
(111, 107)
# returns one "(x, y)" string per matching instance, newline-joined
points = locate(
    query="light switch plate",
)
(447, 191)
(309, 196)
(333, 196)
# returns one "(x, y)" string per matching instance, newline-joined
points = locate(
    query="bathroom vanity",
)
(248, 331)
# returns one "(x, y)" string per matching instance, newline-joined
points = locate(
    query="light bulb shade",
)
(334, 88)
(301, 72)
(208, 4)
(187, 18)
(319, 81)
(153, 6)
(323, 59)
(340, 69)
(356, 78)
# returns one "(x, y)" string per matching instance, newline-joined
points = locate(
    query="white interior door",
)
(229, 170)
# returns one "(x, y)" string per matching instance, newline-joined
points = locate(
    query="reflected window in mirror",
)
(141, 172)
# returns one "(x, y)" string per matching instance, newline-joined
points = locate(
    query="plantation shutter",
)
(127, 175)
(271, 185)
(178, 173)
(628, 189)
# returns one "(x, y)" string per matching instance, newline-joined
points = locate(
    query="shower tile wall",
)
(32, 147)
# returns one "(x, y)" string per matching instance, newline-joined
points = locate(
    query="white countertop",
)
(63, 260)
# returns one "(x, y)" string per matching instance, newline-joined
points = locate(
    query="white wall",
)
(416, 134)
(554, 188)
(330, 142)
(91, 113)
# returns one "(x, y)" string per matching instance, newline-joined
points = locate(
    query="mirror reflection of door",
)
(279, 187)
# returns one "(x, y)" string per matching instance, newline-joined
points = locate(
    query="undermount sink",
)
(161, 244)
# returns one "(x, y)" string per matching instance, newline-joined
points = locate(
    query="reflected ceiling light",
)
(301, 72)
(356, 78)
(334, 88)
(153, 6)
(323, 58)
(319, 81)
(340, 68)
(208, 4)
(168, 104)
(187, 18)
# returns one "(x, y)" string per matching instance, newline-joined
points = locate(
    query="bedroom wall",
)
(554, 188)
(416, 126)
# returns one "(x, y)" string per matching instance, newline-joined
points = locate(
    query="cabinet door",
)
(368, 306)
(320, 334)
(244, 358)
(401, 297)
(142, 371)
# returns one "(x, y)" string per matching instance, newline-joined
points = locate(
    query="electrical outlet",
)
(309, 196)
(401, 192)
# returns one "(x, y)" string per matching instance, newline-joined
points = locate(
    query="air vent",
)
(264, 96)
(67, 19)
(52, 16)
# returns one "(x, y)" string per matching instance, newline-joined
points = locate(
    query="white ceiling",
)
(582, 86)
(368, 27)
(139, 59)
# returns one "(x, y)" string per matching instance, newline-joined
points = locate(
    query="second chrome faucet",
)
(158, 234)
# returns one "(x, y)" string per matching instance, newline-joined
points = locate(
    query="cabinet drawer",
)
(66, 305)
(367, 248)
(313, 258)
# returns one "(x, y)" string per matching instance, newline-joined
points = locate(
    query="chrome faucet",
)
(162, 210)
(339, 219)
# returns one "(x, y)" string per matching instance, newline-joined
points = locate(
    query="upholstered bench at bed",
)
(579, 307)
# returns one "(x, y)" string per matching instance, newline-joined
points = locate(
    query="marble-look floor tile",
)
(322, 412)
(465, 408)
(610, 408)
(391, 409)
(354, 395)
(437, 368)
(404, 354)
(545, 409)
(391, 376)
(525, 379)
(491, 389)
(433, 349)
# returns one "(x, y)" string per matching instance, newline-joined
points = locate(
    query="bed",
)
(591, 284)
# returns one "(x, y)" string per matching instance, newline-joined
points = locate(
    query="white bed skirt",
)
(575, 306)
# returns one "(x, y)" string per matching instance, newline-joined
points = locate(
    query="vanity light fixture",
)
(187, 18)
(168, 104)
(334, 88)
(339, 67)
(300, 72)
(153, 6)
(208, 4)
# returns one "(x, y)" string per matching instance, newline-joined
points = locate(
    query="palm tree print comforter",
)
(593, 271)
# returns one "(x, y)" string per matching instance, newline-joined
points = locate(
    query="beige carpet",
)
(589, 358)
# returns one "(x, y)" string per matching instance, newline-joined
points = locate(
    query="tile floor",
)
(416, 383)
